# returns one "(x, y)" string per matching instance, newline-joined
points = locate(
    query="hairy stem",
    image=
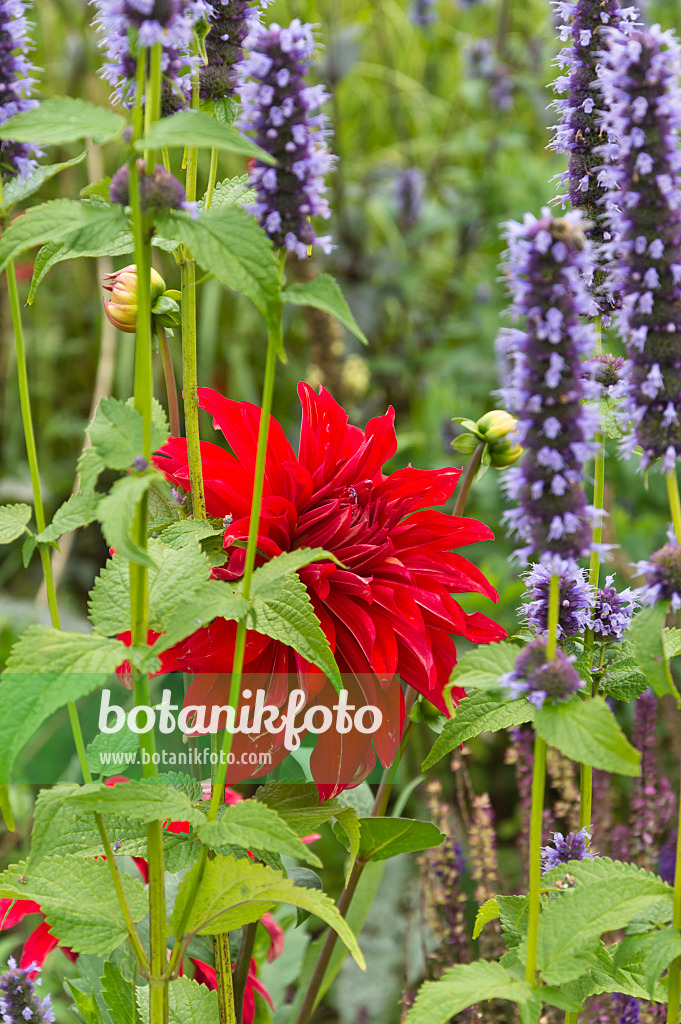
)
(467, 482)
(223, 970)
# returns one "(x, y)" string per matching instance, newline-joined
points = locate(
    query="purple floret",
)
(573, 846)
(541, 678)
(17, 159)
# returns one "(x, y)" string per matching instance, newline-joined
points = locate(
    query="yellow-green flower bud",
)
(504, 453)
(121, 308)
(496, 424)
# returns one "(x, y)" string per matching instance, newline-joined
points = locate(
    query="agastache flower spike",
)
(663, 576)
(277, 109)
(542, 678)
(574, 598)
(17, 159)
(231, 21)
(547, 264)
(640, 82)
(580, 134)
(573, 846)
(122, 23)
(19, 1001)
(612, 612)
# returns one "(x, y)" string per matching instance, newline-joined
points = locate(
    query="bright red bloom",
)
(40, 942)
(388, 611)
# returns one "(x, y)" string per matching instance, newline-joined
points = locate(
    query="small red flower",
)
(389, 610)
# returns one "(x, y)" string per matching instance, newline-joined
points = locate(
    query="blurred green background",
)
(441, 133)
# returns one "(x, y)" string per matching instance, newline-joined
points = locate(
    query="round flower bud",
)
(542, 678)
(504, 453)
(158, 191)
(496, 424)
(121, 308)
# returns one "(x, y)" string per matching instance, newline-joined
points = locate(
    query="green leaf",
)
(79, 901)
(57, 221)
(117, 433)
(117, 244)
(232, 192)
(482, 667)
(47, 669)
(587, 731)
(191, 787)
(184, 531)
(86, 1004)
(478, 712)
(231, 245)
(672, 642)
(78, 510)
(119, 995)
(62, 119)
(188, 1003)
(462, 986)
(646, 633)
(323, 292)
(13, 521)
(192, 128)
(15, 191)
(142, 800)
(214, 600)
(117, 511)
(381, 838)
(622, 678)
(125, 743)
(236, 892)
(489, 911)
(6, 808)
(607, 895)
(298, 805)
(281, 609)
(254, 825)
(656, 951)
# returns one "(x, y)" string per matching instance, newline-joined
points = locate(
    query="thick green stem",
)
(674, 991)
(140, 955)
(212, 178)
(242, 968)
(171, 385)
(467, 482)
(223, 970)
(534, 901)
(674, 503)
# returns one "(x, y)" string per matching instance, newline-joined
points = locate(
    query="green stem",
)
(171, 385)
(140, 955)
(674, 991)
(189, 353)
(212, 178)
(467, 482)
(554, 611)
(534, 900)
(242, 968)
(674, 503)
(223, 970)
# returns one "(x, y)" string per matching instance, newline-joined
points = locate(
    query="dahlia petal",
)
(276, 935)
(14, 911)
(38, 945)
(482, 630)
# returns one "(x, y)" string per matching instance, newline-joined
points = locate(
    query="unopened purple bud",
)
(178, 497)
(663, 576)
(541, 678)
(140, 464)
(158, 191)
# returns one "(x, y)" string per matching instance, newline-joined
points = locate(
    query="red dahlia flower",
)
(388, 611)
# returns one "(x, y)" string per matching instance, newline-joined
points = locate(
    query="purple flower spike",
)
(612, 612)
(541, 678)
(231, 21)
(574, 598)
(627, 1008)
(158, 191)
(423, 13)
(17, 159)
(585, 24)
(547, 264)
(278, 109)
(640, 79)
(663, 577)
(126, 24)
(19, 1001)
(573, 846)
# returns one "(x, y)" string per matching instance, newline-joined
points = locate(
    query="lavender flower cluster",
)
(168, 22)
(662, 574)
(579, 133)
(548, 262)
(19, 1001)
(278, 109)
(17, 159)
(230, 21)
(640, 82)
(605, 610)
(542, 678)
(573, 846)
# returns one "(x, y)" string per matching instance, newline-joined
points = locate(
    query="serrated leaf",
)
(587, 731)
(622, 678)
(119, 995)
(13, 521)
(607, 895)
(646, 633)
(119, 244)
(281, 609)
(382, 838)
(656, 952)
(124, 743)
(191, 787)
(78, 510)
(462, 986)
(489, 911)
(139, 800)
(200, 131)
(323, 292)
(43, 649)
(478, 712)
(116, 513)
(86, 1004)
(231, 245)
(184, 531)
(482, 667)
(236, 892)
(254, 825)
(79, 901)
(62, 119)
(16, 191)
(672, 641)
(58, 221)
(232, 192)
(188, 1003)
(213, 600)
(117, 433)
